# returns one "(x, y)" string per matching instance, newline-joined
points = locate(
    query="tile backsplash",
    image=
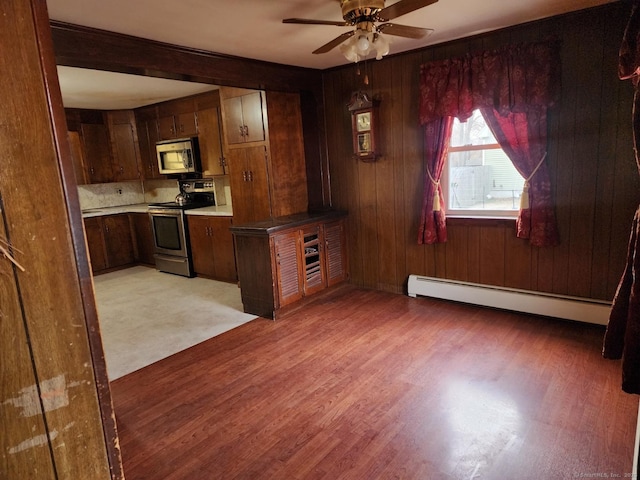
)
(100, 195)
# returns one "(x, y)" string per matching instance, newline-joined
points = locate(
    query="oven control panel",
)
(196, 185)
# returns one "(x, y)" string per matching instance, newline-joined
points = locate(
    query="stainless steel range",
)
(170, 232)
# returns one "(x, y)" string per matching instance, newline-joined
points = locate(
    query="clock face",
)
(363, 121)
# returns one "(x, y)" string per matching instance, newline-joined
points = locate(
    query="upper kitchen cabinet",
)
(147, 127)
(177, 119)
(244, 120)
(279, 181)
(212, 153)
(95, 140)
(124, 145)
(104, 145)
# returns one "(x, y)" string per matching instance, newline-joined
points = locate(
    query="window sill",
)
(465, 220)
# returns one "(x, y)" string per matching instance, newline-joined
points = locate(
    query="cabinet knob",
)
(241, 131)
(244, 176)
(246, 131)
(250, 175)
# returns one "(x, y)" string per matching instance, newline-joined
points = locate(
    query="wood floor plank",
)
(366, 384)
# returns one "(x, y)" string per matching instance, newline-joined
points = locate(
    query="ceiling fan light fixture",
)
(363, 44)
(348, 49)
(381, 46)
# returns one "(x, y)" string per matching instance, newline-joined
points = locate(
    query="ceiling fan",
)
(365, 16)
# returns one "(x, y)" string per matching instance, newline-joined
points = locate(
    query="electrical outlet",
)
(119, 191)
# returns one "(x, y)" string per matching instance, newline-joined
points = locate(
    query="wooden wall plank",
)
(417, 257)
(588, 84)
(492, 253)
(381, 81)
(605, 172)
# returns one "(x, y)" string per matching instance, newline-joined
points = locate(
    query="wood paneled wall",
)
(590, 156)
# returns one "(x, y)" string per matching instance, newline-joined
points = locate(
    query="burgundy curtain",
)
(433, 227)
(517, 79)
(523, 137)
(622, 338)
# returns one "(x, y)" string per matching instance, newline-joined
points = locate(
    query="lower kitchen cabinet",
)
(212, 247)
(283, 260)
(143, 237)
(109, 242)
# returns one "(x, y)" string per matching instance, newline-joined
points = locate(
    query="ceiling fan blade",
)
(334, 43)
(305, 21)
(404, 31)
(401, 8)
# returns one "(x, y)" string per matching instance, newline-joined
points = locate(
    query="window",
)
(478, 179)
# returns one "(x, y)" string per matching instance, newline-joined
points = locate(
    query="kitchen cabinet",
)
(177, 119)
(249, 183)
(210, 140)
(97, 152)
(267, 177)
(147, 128)
(283, 260)
(212, 247)
(124, 145)
(244, 119)
(143, 238)
(104, 145)
(109, 241)
(95, 243)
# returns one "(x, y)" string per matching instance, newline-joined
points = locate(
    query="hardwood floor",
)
(366, 385)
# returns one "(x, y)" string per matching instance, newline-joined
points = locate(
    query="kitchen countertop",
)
(217, 210)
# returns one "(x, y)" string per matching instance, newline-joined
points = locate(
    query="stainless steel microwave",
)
(178, 156)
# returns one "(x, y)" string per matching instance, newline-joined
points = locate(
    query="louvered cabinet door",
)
(335, 252)
(287, 262)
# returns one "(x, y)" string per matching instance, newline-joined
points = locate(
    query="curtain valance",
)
(517, 78)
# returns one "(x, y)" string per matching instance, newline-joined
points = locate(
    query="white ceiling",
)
(254, 28)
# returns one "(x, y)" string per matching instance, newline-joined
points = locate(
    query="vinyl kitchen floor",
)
(146, 315)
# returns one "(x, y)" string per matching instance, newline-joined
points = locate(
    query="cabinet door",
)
(252, 117)
(95, 243)
(200, 236)
(224, 255)
(143, 234)
(167, 127)
(234, 130)
(249, 184)
(186, 124)
(288, 271)
(126, 156)
(240, 188)
(258, 180)
(79, 167)
(335, 252)
(313, 256)
(118, 240)
(95, 140)
(210, 139)
(147, 138)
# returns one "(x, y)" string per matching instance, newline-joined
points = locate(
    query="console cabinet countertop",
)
(285, 259)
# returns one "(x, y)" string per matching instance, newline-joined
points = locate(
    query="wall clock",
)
(364, 112)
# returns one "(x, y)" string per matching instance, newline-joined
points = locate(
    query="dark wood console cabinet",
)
(283, 260)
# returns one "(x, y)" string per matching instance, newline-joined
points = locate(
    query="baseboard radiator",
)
(537, 303)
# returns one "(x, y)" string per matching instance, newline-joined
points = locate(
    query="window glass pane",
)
(472, 132)
(480, 181)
